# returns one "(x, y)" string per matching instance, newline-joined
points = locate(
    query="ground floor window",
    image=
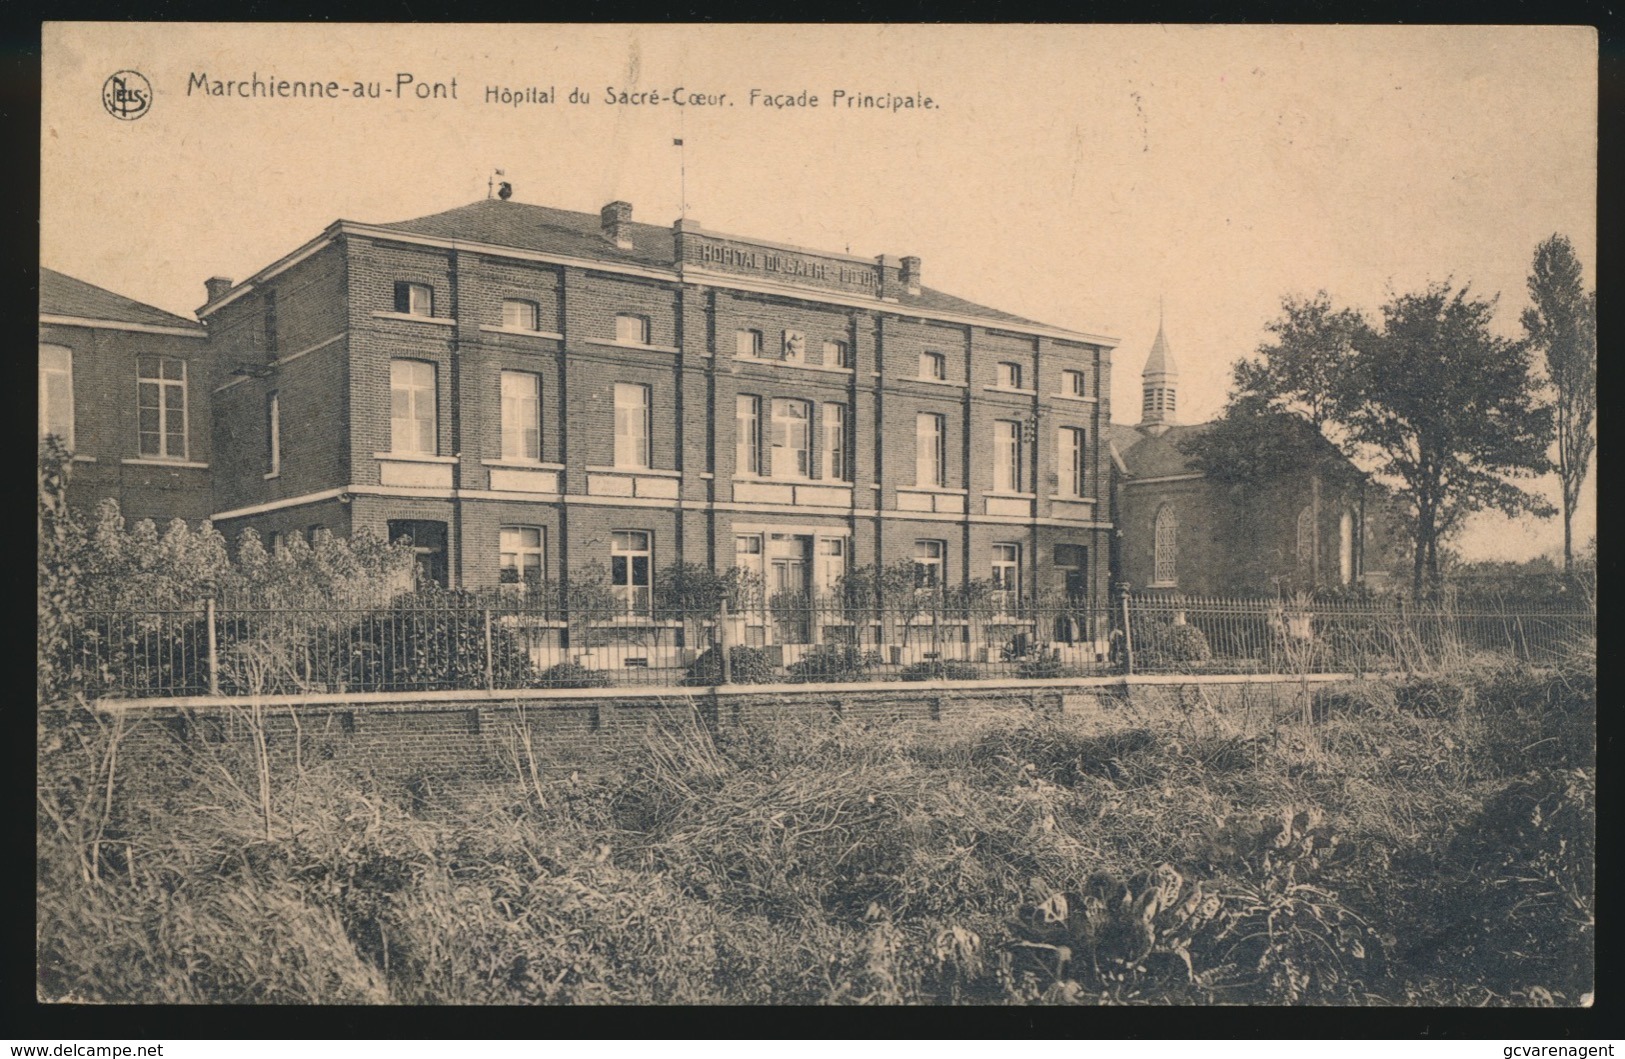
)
(630, 557)
(1007, 577)
(930, 564)
(520, 549)
(428, 542)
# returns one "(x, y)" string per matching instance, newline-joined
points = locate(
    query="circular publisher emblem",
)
(127, 95)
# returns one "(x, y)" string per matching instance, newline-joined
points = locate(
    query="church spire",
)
(1158, 381)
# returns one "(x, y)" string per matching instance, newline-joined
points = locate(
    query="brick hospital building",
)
(526, 391)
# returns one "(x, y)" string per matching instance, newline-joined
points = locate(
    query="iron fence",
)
(505, 641)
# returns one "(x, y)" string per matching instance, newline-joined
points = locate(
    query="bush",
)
(940, 670)
(1043, 664)
(1164, 643)
(1431, 696)
(420, 645)
(570, 675)
(748, 665)
(829, 663)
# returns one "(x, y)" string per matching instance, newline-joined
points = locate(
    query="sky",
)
(1086, 176)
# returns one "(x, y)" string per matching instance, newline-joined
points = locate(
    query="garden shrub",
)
(1043, 664)
(571, 675)
(833, 663)
(424, 643)
(1166, 643)
(1434, 697)
(944, 670)
(747, 665)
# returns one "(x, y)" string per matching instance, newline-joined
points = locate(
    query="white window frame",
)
(633, 322)
(62, 375)
(161, 385)
(521, 415)
(930, 565)
(791, 437)
(1074, 383)
(1071, 463)
(930, 450)
(1005, 573)
(837, 353)
(273, 433)
(749, 342)
(628, 546)
(833, 443)
(1165, 547)
(633, 425)
(529, 314)
(1009, 375)
(748, 435)
(419, 300)
(522, 544)
(1008, 461)
(422, 407)
(934, 366)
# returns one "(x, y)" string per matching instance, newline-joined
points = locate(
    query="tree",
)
(1447, 410)
(1562, 324)
(1303, 371)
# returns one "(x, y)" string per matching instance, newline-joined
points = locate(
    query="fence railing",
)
(505, 642)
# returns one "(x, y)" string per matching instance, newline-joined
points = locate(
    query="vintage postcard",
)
(784, 514)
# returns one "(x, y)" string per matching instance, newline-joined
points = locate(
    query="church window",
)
(1306, 538)
(1165, 546)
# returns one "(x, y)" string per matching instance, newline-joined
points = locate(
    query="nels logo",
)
(127, 95)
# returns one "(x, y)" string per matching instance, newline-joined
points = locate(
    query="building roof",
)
(1145, 454)
(544, 229)
(62, 295)
(1160, 361)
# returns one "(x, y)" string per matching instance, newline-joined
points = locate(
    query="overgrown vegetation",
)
(1405, 844)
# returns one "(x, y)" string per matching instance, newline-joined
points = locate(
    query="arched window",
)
(1345, 547)
(1165, 537)
(1306, 538)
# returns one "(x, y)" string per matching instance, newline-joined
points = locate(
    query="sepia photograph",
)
(907, 515)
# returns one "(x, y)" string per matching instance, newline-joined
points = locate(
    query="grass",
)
(1410, 845)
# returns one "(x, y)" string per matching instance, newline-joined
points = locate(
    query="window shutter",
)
(403, 297)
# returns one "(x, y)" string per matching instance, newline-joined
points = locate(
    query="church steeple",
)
(1158, 382)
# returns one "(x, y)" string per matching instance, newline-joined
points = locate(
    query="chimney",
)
(616, 219)
(216, 286)
(911, 275)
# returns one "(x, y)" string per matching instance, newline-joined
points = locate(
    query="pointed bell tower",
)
(1158, 383)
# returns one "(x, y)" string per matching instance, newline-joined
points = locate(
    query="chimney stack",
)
(616, 219)
(216, 286)
(911, 275)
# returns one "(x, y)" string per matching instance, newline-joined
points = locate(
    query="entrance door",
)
(1072, 566)
(788, 558)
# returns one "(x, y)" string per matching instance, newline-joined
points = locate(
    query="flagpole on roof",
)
(682, 170)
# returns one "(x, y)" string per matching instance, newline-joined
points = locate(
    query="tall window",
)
(834, 427)
(633, 330)
(520, 555)
(428, 542)
(273, 433)
(1345, 547)
(56, 393)
(792, 421)
(1165, 546)
(518, 315)
(747, 434)
(933, 366)
(521, 416)
(930, 454)
(837, 355)
(1069, 460)
(1007, 576)
(631, 425)
(416, 299)
(1306, 538)
(1074, 384)
(748, 343)
(1010, 376)
(161, 407)
(412, 408)
(930, 564)
(629, 556)
(1007, 476)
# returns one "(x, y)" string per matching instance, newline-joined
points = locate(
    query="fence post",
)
(490, 669)
(722, 644)
(1128, 640)
(214, 651)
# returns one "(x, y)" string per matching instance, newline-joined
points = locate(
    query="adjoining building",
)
(525, 392)
(124, 386)
(1313, 524)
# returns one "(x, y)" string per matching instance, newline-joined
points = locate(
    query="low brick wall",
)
(475, 735)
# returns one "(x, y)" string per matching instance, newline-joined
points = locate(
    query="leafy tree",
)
(1254, 442)
(1304, 370)
(1447, 410)
(1562, 324)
